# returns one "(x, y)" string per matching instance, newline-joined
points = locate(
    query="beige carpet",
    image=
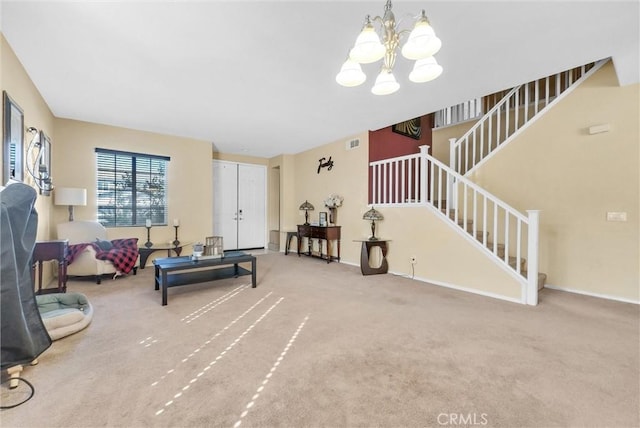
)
(320, 345)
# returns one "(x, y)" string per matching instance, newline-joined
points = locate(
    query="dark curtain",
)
(23, 336)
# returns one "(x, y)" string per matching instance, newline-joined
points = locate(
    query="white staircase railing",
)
(421, 179)
(512, 114)
(397, 181)
(468, 110)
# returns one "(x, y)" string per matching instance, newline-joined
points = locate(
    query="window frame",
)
(121, 163)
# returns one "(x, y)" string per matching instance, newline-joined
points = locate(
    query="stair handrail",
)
(561, 90)
(465, 181)
(414, 177)
(530, 222)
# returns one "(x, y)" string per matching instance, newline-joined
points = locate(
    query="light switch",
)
(597, 129)
(616, 216)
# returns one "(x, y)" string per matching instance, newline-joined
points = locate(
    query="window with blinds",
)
(132, 187)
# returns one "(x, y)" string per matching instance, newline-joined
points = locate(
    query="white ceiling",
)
(257, 77)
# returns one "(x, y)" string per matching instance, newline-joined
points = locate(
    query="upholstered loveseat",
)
(88, 258)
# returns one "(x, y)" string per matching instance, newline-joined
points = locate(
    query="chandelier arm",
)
(403, 32)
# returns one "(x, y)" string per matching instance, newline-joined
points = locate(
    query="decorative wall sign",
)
(409, 128)
(328, 164)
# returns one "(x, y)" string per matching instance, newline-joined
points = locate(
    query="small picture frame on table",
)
(322, 219)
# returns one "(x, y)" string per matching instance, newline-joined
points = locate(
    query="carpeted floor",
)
(320, 345)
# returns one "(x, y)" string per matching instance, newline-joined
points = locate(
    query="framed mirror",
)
(12, 140)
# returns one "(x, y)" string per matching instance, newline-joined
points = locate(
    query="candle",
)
(176, 222)
(147, 223)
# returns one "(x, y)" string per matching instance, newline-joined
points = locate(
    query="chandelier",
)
(420, 46)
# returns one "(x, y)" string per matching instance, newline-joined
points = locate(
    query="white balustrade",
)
(421, 179)
(509, 116)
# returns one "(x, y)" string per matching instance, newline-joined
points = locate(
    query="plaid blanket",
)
(123, 255)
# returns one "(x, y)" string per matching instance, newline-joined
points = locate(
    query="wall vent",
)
(352, 144)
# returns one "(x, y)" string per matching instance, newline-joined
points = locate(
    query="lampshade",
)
(70, 196)
(385, 84)
(351, 74)
(373, 214)
(367, 48)
(425, 70)
(422, 42)
(306, 206)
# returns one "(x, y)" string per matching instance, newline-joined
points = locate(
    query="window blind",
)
(131, 188)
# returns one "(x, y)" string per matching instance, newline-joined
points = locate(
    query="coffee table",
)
(176, 271)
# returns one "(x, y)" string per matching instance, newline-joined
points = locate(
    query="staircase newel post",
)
(452, 153)
(451, 193)
(424, 151)
(531, 297)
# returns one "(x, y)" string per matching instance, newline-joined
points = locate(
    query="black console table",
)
(322, 233)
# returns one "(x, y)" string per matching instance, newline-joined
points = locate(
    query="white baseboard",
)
(499, 296)
(461, 288)
(350, 263)
(588, 293)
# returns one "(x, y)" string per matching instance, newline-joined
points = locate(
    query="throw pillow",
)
(104, 245)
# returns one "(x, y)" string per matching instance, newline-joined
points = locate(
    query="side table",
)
(365, 255)
(145, 252)
(51, 250)
(290, 234)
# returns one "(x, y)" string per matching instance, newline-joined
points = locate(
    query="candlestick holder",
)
(176, 242)
(148, 244)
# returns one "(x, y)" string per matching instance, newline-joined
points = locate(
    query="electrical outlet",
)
(413, 260)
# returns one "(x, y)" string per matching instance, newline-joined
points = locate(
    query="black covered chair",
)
(23, 336)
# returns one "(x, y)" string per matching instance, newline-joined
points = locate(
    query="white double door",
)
(240, 204)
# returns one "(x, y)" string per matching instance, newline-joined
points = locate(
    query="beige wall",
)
(239, 158)
(189, 176)
(443, 256)
(574, 179)
(284, 167)
(19, 86)
(440, 139)
(347, 178)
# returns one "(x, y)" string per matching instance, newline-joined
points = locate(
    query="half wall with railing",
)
(503, 233)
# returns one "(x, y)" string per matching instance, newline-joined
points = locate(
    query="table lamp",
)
(71, 196)
(373, 215)
(306, 206)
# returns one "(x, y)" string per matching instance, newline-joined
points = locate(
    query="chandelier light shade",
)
(385, 84)
(422, 42)
(425, 70)
(421, 45)
(351, 74)
(367, 48)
